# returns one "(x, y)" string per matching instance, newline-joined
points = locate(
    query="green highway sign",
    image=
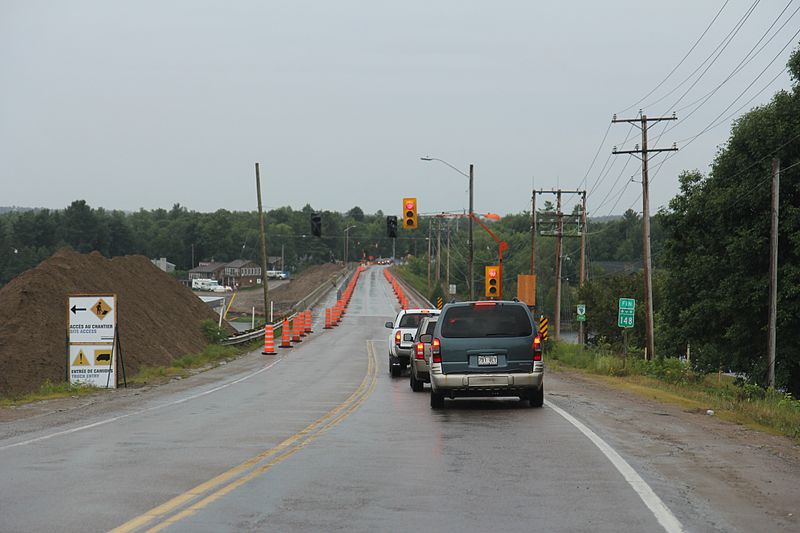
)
(581, 312)
(627, 312)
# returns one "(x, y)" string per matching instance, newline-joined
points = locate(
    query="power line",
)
(671, 72)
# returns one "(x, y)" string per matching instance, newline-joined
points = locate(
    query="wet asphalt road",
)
(322, 439)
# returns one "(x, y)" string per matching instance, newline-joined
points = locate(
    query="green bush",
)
(212, 332)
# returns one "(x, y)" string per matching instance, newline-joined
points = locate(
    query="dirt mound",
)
(287, 294)
(158, 318)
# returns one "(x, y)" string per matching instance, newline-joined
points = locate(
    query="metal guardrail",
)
(308, 301)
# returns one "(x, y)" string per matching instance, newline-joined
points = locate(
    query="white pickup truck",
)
(401, 343)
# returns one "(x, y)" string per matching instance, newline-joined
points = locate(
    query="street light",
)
(470, 176)
(346, 239)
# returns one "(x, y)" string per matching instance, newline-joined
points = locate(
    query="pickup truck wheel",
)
(536, 397)
(437, 400)
(416, 385)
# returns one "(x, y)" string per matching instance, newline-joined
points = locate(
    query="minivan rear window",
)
(411, 320)
(486, 321)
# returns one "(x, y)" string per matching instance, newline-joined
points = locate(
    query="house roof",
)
(237, 263)
(210, 267)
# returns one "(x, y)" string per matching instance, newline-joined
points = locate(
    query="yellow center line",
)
(331, 418)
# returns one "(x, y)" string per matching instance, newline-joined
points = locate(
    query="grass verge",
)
(48, 391)
(211, 357)
(674, 381)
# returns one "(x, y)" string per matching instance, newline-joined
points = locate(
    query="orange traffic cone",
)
(296, 330)
(301, 323)
(308, 321)
(328, 318)
(269, 341)
(286, 338)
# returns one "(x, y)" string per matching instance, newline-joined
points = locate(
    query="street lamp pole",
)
(346, 244)
(471, 256)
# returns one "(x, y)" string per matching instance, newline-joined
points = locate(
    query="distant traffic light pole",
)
(471, 255)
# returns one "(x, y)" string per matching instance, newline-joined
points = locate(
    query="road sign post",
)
(581, 319)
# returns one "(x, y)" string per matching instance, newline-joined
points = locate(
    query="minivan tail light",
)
(397, 338)
(420, 351)
(435, 351)
(537, 348)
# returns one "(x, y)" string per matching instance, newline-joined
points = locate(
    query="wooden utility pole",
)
(558, 234)
(581, 331)
(773, 271)
(438, 250)
(642, 154)
(429, 256)
(533, 233)
(263, 243)
(447, 269)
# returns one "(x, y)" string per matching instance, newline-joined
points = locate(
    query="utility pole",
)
(773, 270)
(263, 243)
(533, 232)
(447, 270)
(429, 257)
(438, 250)
(559, 235)
(642, 154)
(582, 332)
(471, 241)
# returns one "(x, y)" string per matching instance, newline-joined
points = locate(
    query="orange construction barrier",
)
(328, 318)
(286, 338)
(296, 330)
(269, 341)
(308, 321)
(301, 323)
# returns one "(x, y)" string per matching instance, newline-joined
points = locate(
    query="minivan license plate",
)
(487, 360)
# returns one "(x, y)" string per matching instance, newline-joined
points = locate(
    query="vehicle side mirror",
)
(427, 338)
(408, 337)
(389, 325)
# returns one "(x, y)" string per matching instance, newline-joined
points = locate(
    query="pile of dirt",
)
(158, 318)
(286, 294)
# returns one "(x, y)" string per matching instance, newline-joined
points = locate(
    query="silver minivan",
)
(421, 356)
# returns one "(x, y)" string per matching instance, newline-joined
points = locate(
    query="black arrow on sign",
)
(75, 309)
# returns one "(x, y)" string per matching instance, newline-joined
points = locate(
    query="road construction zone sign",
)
(544, 326)
(91, 336)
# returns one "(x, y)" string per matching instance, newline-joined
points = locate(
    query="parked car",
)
(486, 348)
(419, 366)
(401, 343)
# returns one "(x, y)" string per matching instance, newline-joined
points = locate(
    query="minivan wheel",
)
(395, 370)
(536, 397)
(416, 385)
(437, 400)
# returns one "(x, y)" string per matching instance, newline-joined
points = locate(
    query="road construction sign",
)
(92, 318)
(439, 302)
(94, 365)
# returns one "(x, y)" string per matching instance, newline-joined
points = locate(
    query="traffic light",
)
(316, 224)
(410, 213)
(391, 226)
(493, 282)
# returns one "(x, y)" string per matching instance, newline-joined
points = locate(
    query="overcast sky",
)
(143, 104)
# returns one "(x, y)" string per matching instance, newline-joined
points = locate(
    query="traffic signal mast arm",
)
(502, 245)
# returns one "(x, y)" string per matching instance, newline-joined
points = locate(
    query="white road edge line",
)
(650, 499)
(149, 409)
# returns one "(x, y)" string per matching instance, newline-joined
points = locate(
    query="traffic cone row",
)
(334, 315)
(397, 288)
(292, 330)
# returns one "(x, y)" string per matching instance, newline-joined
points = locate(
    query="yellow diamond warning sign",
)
(101, 309)
(102, 357)
(80, 360)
